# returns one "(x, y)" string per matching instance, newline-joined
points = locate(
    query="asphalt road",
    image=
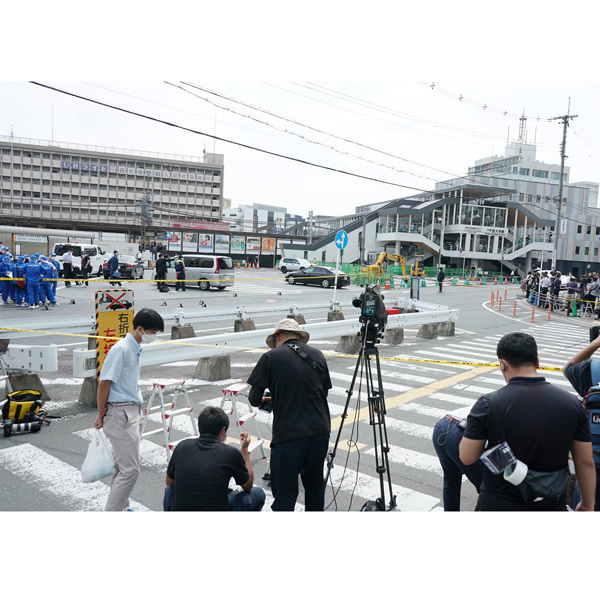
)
(41, 471)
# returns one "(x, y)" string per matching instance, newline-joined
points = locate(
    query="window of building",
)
(596, 251)
(576, 249)
(554, 175)
(538, 173)
(589, 229)
(523, 171)
(579, 228)
(586, 251)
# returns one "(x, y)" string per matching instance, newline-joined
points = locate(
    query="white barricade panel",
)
(32, 358)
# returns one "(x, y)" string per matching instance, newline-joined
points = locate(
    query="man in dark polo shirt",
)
(298, 380)
(541, 422)
(200, 469)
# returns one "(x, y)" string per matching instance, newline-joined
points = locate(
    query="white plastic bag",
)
(99, 461)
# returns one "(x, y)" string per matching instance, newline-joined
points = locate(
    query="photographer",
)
(298, 378)
(201, 468)
(447, 434)
(541, 423)
(578, 370)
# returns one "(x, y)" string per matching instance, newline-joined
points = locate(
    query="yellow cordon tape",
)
(410, 360)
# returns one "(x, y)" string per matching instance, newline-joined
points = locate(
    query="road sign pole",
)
(337, 268)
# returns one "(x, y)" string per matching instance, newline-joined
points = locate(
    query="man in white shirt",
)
(120, 401)
(545, 286)
(67, 261)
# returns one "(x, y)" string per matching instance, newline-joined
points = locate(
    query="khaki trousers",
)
(122, 428)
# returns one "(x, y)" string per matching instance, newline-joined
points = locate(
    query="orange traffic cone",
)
(387, 284)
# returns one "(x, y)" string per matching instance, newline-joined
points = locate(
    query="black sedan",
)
(321, 276)
(129, 267)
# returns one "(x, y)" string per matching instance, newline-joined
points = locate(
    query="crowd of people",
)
(545, 287)
(31, 281)
(28, 281)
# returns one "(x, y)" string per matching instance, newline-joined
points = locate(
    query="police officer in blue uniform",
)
(49, 275)
(20, 286)
(33, 276)
(56, 263)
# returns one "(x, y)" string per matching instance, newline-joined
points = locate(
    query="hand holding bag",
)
(99, 461)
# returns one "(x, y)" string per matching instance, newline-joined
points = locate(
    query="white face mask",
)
(148, 338)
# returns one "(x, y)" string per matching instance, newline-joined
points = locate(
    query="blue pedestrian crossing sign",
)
(341, 239)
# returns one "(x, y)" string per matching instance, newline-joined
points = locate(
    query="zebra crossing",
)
(417, 395)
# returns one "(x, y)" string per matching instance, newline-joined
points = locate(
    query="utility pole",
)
(145, 217)
(565, 119)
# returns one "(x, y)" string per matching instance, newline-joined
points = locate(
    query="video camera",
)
(372, 312)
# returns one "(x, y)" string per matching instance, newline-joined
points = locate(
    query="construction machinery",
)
(416, 271)
(377, 268)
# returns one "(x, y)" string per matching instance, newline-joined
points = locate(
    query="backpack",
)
(22, 406)
(591, 401)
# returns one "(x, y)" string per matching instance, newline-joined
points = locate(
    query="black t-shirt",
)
(580, 376)
(540, 422)
(161, 265)
(298, 393)
(202, 468)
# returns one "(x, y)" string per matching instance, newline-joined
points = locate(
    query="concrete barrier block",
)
(243, 325)
(447, 328)
(87, 394)
(298, 318)
(27, 380)
(214, 368)
(335, 316)
(394, 336)
(429, 331)
(181, 332)
(348, 344)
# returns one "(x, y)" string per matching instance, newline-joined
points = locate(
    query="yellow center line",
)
(425, 390)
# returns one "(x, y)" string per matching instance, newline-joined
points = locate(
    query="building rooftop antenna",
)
(522, 131)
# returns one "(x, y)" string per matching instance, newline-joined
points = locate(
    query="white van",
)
(205, 271)
(95, 253)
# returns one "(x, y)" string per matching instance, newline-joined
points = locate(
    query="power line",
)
(215, 137)
(291, 132)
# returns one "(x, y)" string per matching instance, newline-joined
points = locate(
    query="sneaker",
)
(55, 304)
(33, 306)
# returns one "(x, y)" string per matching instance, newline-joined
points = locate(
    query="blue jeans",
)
(253, 500)
(446, 438)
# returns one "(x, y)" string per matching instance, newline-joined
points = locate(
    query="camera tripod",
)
(376, 404)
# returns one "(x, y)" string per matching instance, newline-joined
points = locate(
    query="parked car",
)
(318, 276)
(294, 264)
(205, 271)
(129, 266)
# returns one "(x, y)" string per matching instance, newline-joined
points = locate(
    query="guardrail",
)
(86, 323)
(159, 353)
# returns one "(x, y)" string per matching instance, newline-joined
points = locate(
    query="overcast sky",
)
(357, 97)
(405, 135)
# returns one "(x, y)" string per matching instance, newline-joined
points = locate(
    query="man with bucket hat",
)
(297, 378)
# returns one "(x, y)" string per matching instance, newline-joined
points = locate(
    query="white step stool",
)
(233, 393)
(168, 411)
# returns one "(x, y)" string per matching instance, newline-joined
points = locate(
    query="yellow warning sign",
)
(114, 319)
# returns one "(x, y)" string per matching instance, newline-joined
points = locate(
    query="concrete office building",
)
(92, 188)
